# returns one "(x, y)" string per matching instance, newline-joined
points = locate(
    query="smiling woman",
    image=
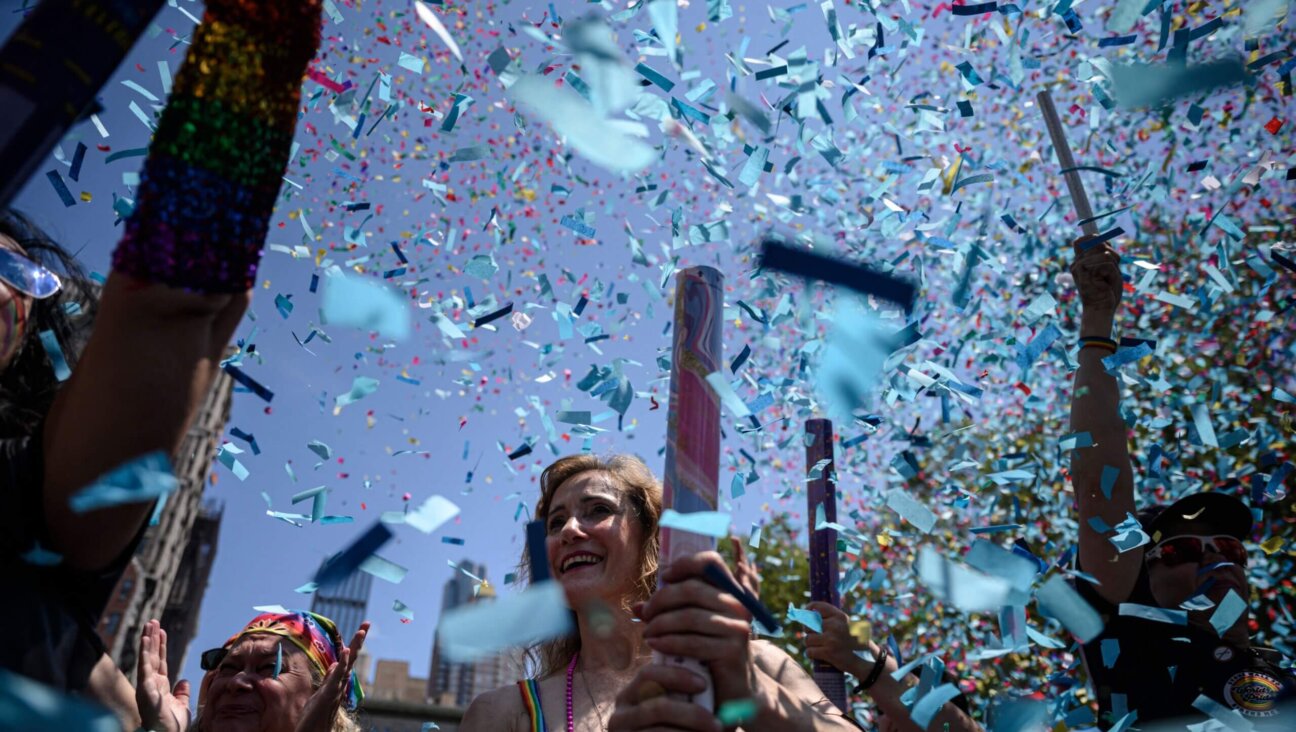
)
(601, 540)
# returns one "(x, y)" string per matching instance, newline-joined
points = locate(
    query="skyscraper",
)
(171, 550)
(456, 684)
(345, 603)
(180, 617)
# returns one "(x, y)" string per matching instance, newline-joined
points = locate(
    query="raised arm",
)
(1095, 409)
(837, 646)
(183, 271)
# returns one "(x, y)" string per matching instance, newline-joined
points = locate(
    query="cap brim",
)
(1206, 512)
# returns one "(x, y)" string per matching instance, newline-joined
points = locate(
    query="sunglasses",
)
(1191, 548)
(26, 276)
(211, 659)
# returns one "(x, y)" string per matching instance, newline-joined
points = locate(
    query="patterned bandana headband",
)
(314, 634)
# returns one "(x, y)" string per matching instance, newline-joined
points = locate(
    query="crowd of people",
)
(180, 284)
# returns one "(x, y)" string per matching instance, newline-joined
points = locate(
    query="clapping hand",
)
(323, 705)
(161, 708)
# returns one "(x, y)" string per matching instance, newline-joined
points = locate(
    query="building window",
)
(112, 624)
(127, 584)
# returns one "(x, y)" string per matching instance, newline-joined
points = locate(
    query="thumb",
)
(182, 691)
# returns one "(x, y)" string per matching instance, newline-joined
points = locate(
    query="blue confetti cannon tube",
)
(822, 491)
(51, 68)
(690, 481)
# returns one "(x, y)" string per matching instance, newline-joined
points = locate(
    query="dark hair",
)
(28, 384)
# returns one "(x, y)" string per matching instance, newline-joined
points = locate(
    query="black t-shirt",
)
(1161, 669)
(48, 614)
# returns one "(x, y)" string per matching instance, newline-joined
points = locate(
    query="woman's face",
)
(594, 539)
(243, 694)
(15, 309)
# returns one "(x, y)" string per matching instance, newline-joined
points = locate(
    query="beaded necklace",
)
(571, 669)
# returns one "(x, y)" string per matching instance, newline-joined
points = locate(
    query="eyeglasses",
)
(26, 276)
(1187, 548)
(211, 659)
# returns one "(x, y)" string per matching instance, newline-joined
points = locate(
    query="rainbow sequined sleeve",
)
(218, 156)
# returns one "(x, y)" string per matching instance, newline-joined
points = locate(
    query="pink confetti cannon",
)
(690, 481)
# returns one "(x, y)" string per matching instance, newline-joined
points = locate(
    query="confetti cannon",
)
(50, 70)
(822, 493)
(1079, 199)
(690, 481)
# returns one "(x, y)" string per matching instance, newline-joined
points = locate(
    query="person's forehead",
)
(264, 644)
(584, 486)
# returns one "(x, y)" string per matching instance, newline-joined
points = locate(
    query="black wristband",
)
(876, 672)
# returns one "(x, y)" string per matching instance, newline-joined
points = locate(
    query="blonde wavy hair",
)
(637, 483)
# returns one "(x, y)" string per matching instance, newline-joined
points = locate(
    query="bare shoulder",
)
(496, 710)
(798, 696)
(775, 662)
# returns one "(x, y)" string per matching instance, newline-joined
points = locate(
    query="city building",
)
(392, 682)
(344, 603)
(383, 715)
(173, 558)
(457, 684)
(180, 617)
(397, 702)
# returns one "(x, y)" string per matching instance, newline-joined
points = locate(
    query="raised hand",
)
(323, 705)
(835, 644)
(1098, 277)
(161, 708)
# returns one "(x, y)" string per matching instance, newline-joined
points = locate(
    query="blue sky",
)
(450, 423)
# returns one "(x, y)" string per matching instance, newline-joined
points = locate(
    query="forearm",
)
(110, 688)
(184, 267)
(886, 694)
(1095, 409)
(885, 691)
(130, 395)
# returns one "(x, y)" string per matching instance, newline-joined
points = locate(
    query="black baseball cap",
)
(1208, 512)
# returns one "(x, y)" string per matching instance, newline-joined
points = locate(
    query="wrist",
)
(1097, 323)
(278, 41)
(872, 671)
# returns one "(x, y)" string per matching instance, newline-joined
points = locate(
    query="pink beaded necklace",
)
(571, 669)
